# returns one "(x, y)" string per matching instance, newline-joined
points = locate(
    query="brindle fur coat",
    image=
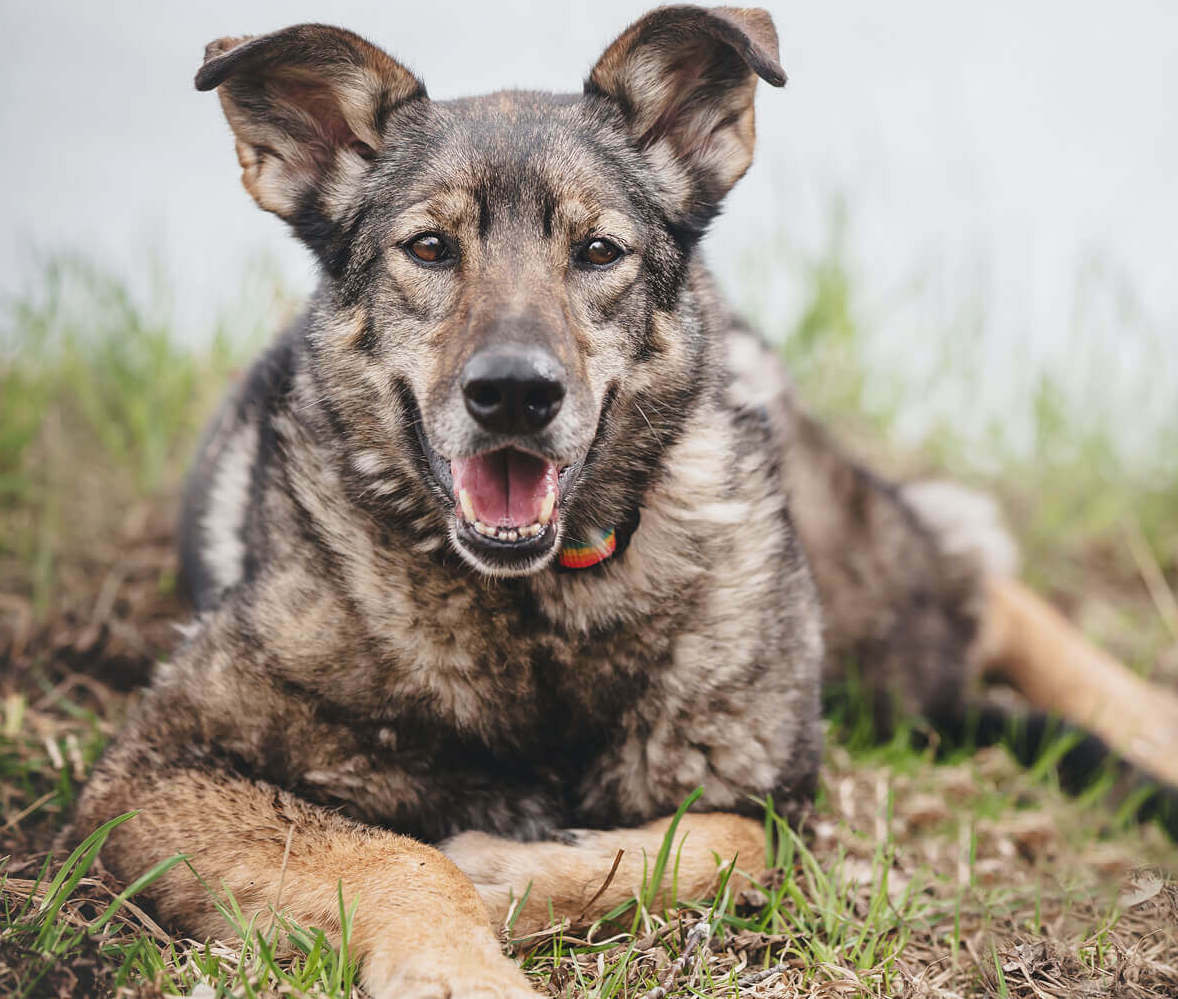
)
(364, 667)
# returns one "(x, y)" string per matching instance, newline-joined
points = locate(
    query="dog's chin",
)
(493, 557)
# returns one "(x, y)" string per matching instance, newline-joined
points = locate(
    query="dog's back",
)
(220, 538)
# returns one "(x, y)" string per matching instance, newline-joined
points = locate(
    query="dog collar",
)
(597, 545)
(593, 545)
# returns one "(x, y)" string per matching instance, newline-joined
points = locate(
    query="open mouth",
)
(506, 502)
(506, 499)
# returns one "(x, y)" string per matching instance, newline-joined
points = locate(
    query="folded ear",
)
(684, 79)
(307, 106)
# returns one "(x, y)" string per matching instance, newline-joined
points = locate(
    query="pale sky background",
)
(1010, 169)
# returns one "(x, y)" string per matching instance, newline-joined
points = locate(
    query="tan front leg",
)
(569, 875)
(1041, 654)
(420, 929)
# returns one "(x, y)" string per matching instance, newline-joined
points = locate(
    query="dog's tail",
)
(1027, 643)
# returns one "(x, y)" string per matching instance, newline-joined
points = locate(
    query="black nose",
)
(513, 389)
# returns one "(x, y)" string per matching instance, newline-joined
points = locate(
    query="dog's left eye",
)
(599, 252)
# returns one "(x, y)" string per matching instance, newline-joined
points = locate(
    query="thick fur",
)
(360, 673)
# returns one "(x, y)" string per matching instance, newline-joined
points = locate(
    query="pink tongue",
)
(506, 488)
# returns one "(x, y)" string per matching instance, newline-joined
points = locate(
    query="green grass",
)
(932, 869)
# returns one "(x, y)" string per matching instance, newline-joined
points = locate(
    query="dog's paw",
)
(442, 977)
(449, 986)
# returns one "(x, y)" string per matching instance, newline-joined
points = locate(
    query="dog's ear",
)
(684, 79)
(307, 106)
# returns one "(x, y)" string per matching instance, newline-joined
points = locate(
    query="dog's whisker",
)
(657, 436)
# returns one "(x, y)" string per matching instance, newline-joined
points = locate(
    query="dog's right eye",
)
(429, 248)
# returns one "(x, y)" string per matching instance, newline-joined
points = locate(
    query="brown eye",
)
(429, 248)
(600, 252)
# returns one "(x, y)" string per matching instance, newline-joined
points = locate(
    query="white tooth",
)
(512, 536)
(547, 506)
(483, 528)
(467, 505)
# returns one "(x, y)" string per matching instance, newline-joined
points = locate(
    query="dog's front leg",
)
(570, 879)
(420, 929)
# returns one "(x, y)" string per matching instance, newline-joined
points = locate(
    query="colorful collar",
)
(598, 544)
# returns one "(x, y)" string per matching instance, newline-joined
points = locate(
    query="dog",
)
(518, 535)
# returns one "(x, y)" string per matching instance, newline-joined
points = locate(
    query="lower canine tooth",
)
(467, 505)
(546, 507)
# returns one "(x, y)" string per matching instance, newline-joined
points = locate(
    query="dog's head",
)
(505, 277)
